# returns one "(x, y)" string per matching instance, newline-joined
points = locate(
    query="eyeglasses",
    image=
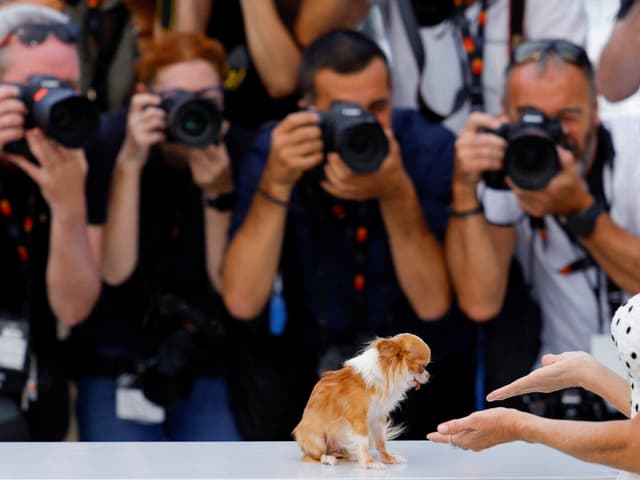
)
(538, 50)
(214, 93)
(34, 34)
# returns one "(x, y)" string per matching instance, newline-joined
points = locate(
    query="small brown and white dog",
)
(347, 412)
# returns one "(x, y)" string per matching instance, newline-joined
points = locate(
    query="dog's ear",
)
(388, 348)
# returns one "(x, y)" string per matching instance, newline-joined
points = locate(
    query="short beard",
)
(587, 156)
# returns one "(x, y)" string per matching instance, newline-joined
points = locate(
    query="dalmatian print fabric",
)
(625, 333)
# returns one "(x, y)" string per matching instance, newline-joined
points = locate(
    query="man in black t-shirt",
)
(48, 253)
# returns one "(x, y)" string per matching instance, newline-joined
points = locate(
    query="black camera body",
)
(356, 135)
(71, 119)
(191, 120)
(531, 159)
(185, 334)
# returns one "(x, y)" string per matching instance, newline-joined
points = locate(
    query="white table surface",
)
(269, 460)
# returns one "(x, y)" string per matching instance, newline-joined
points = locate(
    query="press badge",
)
(13, 344)
(131, 404)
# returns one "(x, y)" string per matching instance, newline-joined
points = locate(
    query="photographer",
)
(49, 267)
(568, 214)
(150, 359)
(348, 238)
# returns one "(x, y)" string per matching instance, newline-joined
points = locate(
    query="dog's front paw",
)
(328, 460)
(388, 458)
(373, 464)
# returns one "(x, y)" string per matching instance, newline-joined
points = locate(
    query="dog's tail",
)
(393, 431)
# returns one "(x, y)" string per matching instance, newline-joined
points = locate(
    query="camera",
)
(531, 159)
(186, 334)
(61, 113)
(192, 120)
(356, 135)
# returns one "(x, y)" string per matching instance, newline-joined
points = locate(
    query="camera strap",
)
(595, 179)
(470, 52)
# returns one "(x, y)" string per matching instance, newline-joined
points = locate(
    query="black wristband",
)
(223, 202)
(479, 210)
(581, 224)
(272, 199)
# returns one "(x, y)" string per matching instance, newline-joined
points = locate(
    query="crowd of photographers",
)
(276, 190)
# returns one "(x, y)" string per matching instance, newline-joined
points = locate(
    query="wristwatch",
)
(582, 223)
(223, 202)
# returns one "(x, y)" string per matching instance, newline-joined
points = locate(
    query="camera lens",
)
(358, 143)
(531, 160)
(68, 118)
(363, 147)
(193, 121)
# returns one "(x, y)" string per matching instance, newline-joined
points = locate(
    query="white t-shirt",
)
(574, 306)
(442, 76)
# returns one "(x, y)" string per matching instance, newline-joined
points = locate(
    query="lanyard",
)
(474, 50)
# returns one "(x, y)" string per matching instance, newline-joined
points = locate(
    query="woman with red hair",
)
(150, 361)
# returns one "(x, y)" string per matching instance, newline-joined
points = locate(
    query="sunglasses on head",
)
(34, 34)
(538, 50)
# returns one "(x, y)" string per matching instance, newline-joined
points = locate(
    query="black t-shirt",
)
(171, 265)
(247, 102)
(23, 292)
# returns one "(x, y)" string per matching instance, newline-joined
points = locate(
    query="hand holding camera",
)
(175, 116)
(530, 156)
(57, 122)
(565, 194)
(210, 169)
(343, 182)
(12, 113)
(304, 139)
(296, 146)
(145, 127)
(477, 151)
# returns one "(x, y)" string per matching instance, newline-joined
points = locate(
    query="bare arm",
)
(570, 369)
(120, 248)
(296, 146)
(273, 49)
(418, 257)
(256, 247)
(192, 15)
(316, 17)
(612, 443)
(478, 254)
(211, 172)
(618, 74)
(73, 276)
(616, 251)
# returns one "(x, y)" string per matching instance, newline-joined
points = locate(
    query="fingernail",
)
(443, 429)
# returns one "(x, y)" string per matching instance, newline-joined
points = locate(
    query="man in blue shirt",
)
(354, 255)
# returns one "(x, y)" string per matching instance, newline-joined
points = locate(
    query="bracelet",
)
(272, 199)
(479, 210)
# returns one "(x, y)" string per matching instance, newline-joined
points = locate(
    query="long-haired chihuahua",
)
(347, 412)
